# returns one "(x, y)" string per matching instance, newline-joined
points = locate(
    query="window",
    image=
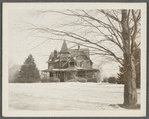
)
(79, 64)
(71, 64)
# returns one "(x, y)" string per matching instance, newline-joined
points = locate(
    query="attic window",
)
(71, 63)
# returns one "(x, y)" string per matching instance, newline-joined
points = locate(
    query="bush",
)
(91, 80)
(105, 80)
(82, 80)
(56, 80)
(15, 78)
(71, 80)
(13, 73)
(43, 80)
(50, 79)
(112, 80)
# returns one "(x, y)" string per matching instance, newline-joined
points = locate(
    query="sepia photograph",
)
(74, 59)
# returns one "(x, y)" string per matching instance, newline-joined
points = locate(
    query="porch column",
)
(49, 74)
(54, 74)
(93, 74)
(98, 77)
(86, 74)
(65, 76)
(41, 74)
(76, 76)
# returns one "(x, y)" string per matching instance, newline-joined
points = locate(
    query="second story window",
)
(79, 64)
(71, 64)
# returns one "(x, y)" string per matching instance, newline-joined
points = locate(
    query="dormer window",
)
(71, 64)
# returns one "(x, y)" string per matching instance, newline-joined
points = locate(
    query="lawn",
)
(66, 96)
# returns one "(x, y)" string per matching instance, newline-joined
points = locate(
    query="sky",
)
(21, 43)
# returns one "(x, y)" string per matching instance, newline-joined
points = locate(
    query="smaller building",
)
(70, 64)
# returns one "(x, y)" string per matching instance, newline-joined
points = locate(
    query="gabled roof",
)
(51, 57)
(73, 52)
(83, 52)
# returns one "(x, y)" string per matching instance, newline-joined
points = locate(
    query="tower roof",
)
(64, 48)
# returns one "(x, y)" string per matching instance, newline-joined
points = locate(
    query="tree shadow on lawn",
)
(137, 107)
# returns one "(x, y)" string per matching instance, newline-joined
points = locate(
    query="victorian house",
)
(70, 64)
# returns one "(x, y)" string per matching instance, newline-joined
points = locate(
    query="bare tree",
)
(99, 30)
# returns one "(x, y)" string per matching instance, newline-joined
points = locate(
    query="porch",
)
(70, 73)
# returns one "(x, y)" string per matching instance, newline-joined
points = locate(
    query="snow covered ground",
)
(66, 96)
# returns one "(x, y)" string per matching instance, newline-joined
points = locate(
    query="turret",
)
(64, 49)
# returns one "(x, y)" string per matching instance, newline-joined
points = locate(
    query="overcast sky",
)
(21, 44)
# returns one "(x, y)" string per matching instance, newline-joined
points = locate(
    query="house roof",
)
(64, 48)
(73, 52)
(83, 52)
(51, 57)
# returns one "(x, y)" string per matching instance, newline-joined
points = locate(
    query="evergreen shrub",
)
(112, 80)
(83, 80)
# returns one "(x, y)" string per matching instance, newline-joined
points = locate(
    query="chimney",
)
(55, 54)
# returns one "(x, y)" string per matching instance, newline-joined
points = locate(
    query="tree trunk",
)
(130, 93)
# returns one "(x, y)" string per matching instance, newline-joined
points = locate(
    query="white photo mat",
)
(83, 113)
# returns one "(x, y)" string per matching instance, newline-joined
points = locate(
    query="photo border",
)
(85, 113)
